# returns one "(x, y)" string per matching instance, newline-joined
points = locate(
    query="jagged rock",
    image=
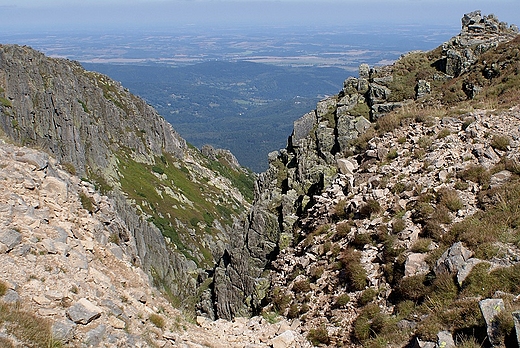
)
(63, 330)
(364, 71)
(415, 264)
(466, 268)
(284, 340)
(445, 340)
(490, 308)
(453, 259)
(303, 127)
(11, 296)
(39, 160)
(95, 336)
(417, 343)
(346, 166)
(422, 89)
(516, 320)
(378, 93)
(10, 238)
(83, 312)
(499, 178)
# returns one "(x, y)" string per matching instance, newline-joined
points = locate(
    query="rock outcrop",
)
(372, 227)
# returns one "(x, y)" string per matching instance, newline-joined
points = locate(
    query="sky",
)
(67, 15)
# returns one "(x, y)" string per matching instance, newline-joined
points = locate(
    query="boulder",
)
(415, 264)
(83, 312)
(63, 330)
(490, 308)
(285, 340)
(453, 259)
(10, 238)
(445, 340)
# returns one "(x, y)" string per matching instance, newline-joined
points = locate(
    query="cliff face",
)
(175, 201)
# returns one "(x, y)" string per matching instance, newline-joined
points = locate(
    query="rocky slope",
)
(69, 276)
(392, 213)
(176, 203)
(390, 219)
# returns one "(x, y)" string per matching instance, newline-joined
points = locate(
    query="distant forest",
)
(246, 107)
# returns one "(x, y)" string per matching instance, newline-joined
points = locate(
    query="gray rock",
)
(453, 259)
(378, 93)
(364, 71)
(63, 330)
(95, 336)
(422, 89)
(516, 319)
(10, 238)
(445, 340)
(11, 296)
(499, 178)
(38, 159)
(490, 308)
(83, 312)
(466, 268)
(303, 127)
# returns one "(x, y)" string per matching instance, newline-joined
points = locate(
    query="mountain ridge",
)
(390, 218)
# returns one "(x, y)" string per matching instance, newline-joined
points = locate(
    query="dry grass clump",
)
(352, 272)
(157, 320)
(318, 336)
(500, 142)
(33, 331)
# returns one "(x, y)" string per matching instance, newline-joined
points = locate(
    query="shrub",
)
(412, 288)
(293, 311)
(157, 320)
(318, 336)
(398, 225)
(29, 330)
(421, 245)
(392, 154)
(450, 199)
(370, 207)
(360, 240)
(339, 210)
(443, 133)
(3, 288)
(279, 300)
(342, 230)
(87, 202)
(367, 296)
(301, 286)
(352, 271)
(342, 300)
(388, 123)
(69, 168)
(425, 142)
(475, 173)
(500, 142)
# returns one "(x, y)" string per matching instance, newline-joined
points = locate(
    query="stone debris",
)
(59, 264)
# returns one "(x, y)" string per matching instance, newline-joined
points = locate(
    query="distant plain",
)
(241, 88)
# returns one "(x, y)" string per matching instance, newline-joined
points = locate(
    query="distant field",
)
(248, 108)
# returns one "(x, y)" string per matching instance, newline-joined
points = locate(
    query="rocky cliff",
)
(69, 276)
(390, 216)
(175, 203)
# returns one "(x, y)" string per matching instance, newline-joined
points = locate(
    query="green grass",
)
(5, 102)
(179, 195)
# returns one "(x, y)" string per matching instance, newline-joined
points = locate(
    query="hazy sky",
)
(30, 15)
